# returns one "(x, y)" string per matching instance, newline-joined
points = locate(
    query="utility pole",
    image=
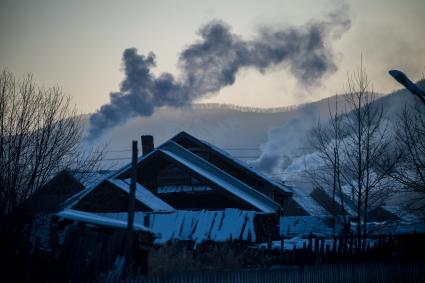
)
(408, 84)
(129, 252)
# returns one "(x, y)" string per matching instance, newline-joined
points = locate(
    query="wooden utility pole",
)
(408, 84)
(129, 254)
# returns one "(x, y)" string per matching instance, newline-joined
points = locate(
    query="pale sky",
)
(78, 44)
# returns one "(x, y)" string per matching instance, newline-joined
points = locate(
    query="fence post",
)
(340, 245)
(282, 248)
(269, 244)
(310, 242)
(316, 245)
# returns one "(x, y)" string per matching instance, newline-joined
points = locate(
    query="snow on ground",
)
(296, 243)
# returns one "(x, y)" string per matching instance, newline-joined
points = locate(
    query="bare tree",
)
(411, 141)
(40, 135)
(325, 139)
(355, 150)
(368, 162)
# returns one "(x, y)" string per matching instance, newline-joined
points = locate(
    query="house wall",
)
(52, 195)
(191, 192)
(292, 208)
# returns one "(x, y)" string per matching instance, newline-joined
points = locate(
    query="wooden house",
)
(185, 173)
(347, 207)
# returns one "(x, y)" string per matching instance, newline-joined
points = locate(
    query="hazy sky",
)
(79, 44)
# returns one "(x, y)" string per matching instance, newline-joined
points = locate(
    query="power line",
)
(118, 150)
(229, 148)
(242, 148)
(115, 159)
(127, 158)
(253, 157)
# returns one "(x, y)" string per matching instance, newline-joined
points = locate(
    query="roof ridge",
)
(251, 191)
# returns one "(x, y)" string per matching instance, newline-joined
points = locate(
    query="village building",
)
(188, 192)
(186, 173)
(187, 187)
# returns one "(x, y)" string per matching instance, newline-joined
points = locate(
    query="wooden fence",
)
(344, 249)
(88, 256)
(326, 273)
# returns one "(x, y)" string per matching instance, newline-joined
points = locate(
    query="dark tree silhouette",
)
(40, 135)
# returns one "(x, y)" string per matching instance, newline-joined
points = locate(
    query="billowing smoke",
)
(287, 142)
(213, 63)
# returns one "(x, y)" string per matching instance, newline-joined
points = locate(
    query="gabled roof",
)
(203, 169)
(52, 196)
(235, 163)
(70, 202)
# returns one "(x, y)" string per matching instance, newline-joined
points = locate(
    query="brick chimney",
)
(147, 144)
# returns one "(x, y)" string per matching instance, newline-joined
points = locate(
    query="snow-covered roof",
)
(89, 178)
(308, 203)
(235, 161)
(143, 195)
(349, 206)
(199, 226)
(219, 177)
(397, 211)
(94, 219)
(402, 214)
(201, 167)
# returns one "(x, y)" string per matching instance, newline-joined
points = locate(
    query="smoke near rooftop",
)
(213, 62)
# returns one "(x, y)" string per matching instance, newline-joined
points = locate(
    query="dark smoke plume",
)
(213, 63)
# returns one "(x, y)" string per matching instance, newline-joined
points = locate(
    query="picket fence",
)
(321, 273)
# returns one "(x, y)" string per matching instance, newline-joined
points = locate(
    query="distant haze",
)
(271, 141)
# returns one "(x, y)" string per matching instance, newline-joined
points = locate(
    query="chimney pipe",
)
(147, 144)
